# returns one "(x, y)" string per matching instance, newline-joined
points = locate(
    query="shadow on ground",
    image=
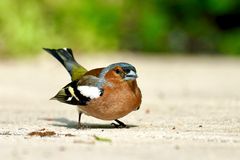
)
(64, 122)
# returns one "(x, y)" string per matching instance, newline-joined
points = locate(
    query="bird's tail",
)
(65, 57)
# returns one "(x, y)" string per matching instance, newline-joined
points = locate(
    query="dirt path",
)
(190, 110)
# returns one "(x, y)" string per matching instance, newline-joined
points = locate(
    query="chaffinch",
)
(105, 93)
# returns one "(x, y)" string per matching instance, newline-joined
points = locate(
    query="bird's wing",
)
(80, 92)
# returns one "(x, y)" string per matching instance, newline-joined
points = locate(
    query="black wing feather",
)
(71, 95)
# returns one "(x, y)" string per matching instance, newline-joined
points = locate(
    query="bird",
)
(106, 93)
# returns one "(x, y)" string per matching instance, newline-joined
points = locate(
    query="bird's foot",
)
(119, 125)
(80, 126)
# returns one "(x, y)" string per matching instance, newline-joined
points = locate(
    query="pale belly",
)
(109, 111)
(114, 104)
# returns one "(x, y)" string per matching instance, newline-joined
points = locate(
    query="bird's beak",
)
(130, 76)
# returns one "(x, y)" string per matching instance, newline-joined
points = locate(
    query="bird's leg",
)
(79, 126)
(119, 125)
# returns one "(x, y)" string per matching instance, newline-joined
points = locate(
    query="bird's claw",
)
(119, 125)
(80, 126)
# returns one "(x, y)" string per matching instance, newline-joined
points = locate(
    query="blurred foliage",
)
(170, 26)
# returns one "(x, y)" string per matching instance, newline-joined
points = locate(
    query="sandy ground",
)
(190, 110)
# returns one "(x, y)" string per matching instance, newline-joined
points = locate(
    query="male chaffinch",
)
(106, 93)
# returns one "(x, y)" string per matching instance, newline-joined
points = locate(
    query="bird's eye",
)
(117, 71)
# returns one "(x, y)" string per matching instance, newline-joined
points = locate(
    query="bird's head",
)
(119, 71)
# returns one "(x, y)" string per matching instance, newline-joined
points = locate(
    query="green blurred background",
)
(150, 27)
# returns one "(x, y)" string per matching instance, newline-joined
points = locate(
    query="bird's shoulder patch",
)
(80, 95)
(90, 91)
